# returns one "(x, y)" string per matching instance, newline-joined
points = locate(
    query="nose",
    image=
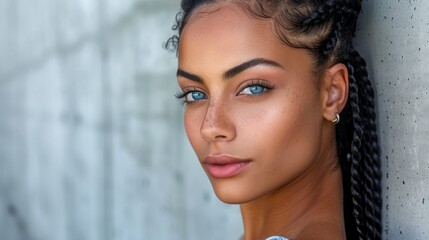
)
(217, 125)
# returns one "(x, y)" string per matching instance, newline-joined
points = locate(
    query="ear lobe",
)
(336, 90)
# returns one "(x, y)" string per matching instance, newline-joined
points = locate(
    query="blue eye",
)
(195, 96)
(254, 89)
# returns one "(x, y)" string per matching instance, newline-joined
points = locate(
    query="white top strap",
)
(276, 238)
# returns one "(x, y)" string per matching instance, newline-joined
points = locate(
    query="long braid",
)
(370, 148)
(354, 156)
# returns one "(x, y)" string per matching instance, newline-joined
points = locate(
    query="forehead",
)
(226, 31)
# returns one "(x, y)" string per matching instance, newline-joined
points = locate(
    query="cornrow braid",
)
(323, 14)
(329, 44)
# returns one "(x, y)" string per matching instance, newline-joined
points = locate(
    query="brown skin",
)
(292, 186)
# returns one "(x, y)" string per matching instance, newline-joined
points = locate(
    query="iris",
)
(254, 89)
(195, 96)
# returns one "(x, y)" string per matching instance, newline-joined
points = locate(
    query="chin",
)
(230, 194)
(231, 198)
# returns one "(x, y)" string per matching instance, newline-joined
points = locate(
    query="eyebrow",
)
(189, 76)
(233, 71)
(249, 64)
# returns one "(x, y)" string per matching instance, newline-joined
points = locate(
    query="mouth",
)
(224, 166)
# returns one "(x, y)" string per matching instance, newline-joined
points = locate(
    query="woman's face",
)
(253, 113)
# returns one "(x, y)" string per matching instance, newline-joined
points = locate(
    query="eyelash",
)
(257, 82)
(181, 95)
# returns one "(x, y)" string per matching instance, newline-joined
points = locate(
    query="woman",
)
(280, 112)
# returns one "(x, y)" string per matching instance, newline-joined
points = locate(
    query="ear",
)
(335, 90)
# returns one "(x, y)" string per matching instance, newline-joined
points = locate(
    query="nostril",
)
(220, 136)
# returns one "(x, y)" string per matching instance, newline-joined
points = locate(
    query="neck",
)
(312, 202)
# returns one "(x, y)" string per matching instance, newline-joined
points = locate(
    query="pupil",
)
(256, 89)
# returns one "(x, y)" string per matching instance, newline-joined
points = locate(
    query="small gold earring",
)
(337, 119)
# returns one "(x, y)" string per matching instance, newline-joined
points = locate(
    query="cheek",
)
(286, 132)
(193, 120)
(297, 140)
(288, 112)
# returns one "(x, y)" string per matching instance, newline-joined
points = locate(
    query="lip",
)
(223, 166)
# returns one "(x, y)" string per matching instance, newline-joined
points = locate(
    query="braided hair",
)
(326, 29)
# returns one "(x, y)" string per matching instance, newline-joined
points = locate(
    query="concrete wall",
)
(91, 138)
(394, 38)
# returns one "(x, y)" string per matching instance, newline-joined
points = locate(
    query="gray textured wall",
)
(91, 138)
(395, 41)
